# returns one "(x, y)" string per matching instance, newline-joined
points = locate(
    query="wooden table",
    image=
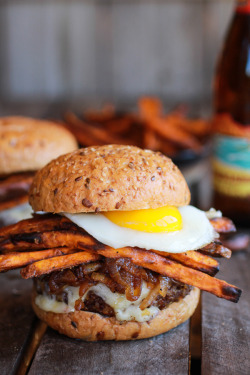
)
(225, 342)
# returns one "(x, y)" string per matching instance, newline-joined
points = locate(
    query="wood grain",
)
(16, 318)
(166, 354)
(226, 326)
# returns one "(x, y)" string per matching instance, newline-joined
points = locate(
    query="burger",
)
(115, 250)
(26, 145)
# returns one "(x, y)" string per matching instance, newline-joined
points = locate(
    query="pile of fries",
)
(149, 127)
(48, 243)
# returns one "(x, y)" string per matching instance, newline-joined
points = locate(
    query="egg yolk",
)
(163, 219)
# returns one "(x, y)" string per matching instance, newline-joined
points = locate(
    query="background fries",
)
(149, 127)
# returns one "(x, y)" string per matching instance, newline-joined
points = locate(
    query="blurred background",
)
(85, 52)
(74, 55)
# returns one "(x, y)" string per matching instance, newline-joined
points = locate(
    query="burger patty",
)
(120, 276)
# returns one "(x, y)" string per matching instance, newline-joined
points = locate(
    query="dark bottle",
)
(231, 158)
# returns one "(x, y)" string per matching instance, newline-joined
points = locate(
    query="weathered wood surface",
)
(16, 318)
(166, 354)
(226, 326)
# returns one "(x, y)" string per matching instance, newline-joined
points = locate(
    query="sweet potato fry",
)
(74, 124)
(197, 127)
(106, 113)
(39, 223)
(98, 135)
(150, 140)
(169, 268)
(176, 135)
(223, 225)
(119, 125)
(46, 240)
(150, 107)
(216, 249)
(57, 263)
(195, 260)
(17, 260)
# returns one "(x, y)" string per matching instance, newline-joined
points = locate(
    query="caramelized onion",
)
(147, 302)
(132, 282)
(100, 277)
(91, 267)
(57, 281)
(84, 287)
(164, 285)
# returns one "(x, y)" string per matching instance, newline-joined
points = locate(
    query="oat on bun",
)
(119, 252)
(26, 145)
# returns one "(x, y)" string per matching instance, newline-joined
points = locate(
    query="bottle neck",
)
(242, 6)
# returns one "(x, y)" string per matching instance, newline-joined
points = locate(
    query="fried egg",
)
(192, 228)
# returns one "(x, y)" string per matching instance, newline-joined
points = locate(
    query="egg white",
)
(195, 233)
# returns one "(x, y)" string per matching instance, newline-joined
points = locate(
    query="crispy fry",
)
(119, 125)
(106, 113)
(150, 107)
(150, 127)
(17, 260)
(58, 238)
(39, 223)
(169, 268)
(216, 249)
(169, 148)
(197, 127)
(223, 225)
(176, 135)
(195, 260)
(93, 249)
(75, 125)
(98, 135)
(58, 263)
(150, 140)
(46, 240)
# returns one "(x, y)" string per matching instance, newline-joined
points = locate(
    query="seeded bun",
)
(108, 178)
(93, 327)
(28, 144)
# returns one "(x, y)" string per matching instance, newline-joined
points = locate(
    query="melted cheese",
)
(124, 310)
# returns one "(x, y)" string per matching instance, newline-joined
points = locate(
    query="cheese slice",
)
(124, 310)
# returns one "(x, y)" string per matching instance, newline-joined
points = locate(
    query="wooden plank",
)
(16, 318)
(226, 326)
(165, 354)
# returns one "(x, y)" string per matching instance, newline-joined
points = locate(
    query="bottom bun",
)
(94, 327)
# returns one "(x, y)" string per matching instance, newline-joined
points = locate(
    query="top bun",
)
(108, 178)
(28, 144)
